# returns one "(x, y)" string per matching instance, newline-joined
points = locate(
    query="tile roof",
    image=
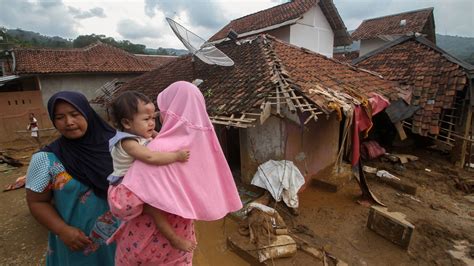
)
(434, 75)
(98, 57)
(346, 57)
(263, 65)
(286, 12)
(416, 21)
(157, 60)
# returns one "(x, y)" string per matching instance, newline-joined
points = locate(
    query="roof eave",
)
(255, 32)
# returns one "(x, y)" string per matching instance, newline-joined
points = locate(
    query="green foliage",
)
(470, 59)
(460, 47)
(162, 51)
(208, 93)
(85, 40)
(22, 38)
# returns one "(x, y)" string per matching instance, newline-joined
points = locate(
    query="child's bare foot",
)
(183, 244)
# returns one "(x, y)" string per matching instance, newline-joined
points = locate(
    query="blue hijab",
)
(86, 159)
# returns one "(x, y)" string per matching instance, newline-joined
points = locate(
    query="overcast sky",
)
(143, 21)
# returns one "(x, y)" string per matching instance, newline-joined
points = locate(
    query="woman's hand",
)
(42, 209)
(74, 238)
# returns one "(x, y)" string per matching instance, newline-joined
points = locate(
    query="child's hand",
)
(183, 156)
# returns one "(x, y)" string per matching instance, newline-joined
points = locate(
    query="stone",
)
(391, 225)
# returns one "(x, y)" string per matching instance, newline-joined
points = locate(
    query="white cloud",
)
(131, 29)
(93, 12)
(45, 17)
(143, 21)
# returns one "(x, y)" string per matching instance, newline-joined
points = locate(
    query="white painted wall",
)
(367, 46)
(313, 32)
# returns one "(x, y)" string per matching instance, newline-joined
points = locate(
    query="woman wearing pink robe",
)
(200, 189)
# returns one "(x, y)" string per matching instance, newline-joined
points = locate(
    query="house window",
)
(9, 103)
(16, 102)
(23, 101)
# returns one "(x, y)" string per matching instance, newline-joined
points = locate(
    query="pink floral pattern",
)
(138, 240)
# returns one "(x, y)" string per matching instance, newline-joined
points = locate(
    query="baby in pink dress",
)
(202, 188)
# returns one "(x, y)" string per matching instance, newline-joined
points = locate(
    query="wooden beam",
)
(466, 135)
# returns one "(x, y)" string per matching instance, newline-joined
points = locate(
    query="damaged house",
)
(277, 102)
(442, 89)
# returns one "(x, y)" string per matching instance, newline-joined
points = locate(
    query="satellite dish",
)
(205, 51)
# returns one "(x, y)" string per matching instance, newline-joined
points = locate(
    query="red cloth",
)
(371, 150)
(363, 122)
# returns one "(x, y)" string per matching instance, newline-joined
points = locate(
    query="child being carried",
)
(134, 115)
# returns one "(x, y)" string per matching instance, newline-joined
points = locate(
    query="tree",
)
(162, 51)
(85, 40)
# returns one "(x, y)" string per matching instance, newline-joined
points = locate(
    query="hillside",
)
(24, 38)
(461, 47)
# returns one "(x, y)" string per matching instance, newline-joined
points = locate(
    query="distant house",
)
(278, 101)
(157, 60)
(443, 86)
(32, 75)
(312, 24)
(375, 32)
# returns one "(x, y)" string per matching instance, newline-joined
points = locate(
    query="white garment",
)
(121, 159)
(282, 179)
(34, 129)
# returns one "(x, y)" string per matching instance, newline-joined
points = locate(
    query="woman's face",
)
(69, 121)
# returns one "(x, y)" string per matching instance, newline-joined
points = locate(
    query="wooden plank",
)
(266, 113)
(238, 244)
(399, 185)
(401, 132)
(466, 135)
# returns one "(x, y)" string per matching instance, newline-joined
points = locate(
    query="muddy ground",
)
(442, 215)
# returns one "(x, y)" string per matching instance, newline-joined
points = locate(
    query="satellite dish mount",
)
(199, 47)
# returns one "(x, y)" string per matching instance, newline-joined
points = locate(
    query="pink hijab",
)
(202, 188)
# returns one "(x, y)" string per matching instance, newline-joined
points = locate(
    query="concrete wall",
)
(313, 32)
(312, 149)
(85, 83)
(14, 113)
(260, 144)
(367, 46)
(315, 148)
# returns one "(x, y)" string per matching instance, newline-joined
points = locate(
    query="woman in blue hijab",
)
(66, 184)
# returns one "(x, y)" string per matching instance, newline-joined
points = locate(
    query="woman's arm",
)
(142, 153)
(41, 208)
